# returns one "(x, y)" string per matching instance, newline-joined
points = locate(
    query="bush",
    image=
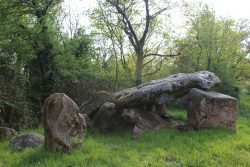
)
(17, 115)
(228, 89)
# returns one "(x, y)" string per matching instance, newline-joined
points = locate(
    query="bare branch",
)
(150, 61)
(159, 12)
(158, 69)
(126, 20)
(162, 55)
(148, 18)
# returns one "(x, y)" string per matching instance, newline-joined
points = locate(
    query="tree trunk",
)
(209, 63)
(138, 69)
(47, 71)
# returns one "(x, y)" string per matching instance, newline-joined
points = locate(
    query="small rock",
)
(21, 142)
(137, 132)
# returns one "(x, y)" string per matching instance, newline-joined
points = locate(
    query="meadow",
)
(167, 147)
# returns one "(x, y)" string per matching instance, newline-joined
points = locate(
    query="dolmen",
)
(143, 107)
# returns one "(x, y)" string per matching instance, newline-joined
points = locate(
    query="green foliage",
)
(17, 115)
(245, 105)
(75, 60)
(213, 44)
(27, 54)
(15, 111)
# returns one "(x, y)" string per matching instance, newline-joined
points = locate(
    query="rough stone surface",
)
(166, 89)
(65, 128)
(211, 109)
(87, 120)
(106, 118)
(143, 120)
(137, 132)
(7, 133)
(21, 142)
(159, 109)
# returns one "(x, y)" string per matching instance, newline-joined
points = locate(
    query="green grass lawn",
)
(167, 147)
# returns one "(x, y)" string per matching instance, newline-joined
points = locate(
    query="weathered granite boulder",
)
(64, 127)
(143, 120)
(21, 142)
(106, 118)
(211, 109)
(7, 133)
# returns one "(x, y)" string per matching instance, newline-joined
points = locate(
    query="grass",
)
(177, 113)
(245, 104)
(167, 147)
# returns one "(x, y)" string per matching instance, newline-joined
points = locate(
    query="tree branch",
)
(148, 18)
(150, 61)
(162, 55)
(159, 12)
(158, 69)
(125, 18)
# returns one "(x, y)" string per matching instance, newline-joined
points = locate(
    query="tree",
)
(27, 38)
(34, 24)
(137, 19)
(214, 45)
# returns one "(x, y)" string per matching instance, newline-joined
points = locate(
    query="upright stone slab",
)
(211, 109)
(64, 127)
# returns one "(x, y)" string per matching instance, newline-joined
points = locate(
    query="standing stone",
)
(64, 129)
(211, 109)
